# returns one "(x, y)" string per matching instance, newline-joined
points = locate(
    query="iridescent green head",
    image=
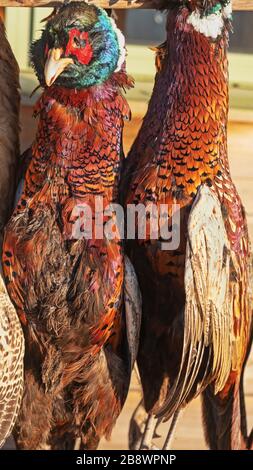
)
(79, 47)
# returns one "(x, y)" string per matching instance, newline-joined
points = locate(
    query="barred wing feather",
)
(11, 364)
(208, 315)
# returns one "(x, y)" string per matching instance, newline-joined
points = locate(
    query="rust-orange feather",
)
(69, 291)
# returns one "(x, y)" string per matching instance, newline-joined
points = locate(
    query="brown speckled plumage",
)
(11, 336)
(189, 340)
(9, 126)
(11, 364)
(69, 293)
(69, 290)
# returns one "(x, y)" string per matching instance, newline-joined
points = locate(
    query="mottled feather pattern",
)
(69, 292)
(9, 126)
(181, 148)
(11, 364)
(11, 336)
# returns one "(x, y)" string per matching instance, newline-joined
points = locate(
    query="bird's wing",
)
(133, 309)
(210, 343)
(9, 126)
(11, 364)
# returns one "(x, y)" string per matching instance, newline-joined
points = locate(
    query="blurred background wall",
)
(145, 25)
(142, 28)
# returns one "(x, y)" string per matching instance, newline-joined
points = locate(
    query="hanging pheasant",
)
(197, 303)
(9, 127)
(11, 336)
(76, 295)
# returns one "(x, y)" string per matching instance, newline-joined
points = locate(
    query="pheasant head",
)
(208, 17)
(79, 47)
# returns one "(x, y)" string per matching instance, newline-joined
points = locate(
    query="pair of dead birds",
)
(78, 299)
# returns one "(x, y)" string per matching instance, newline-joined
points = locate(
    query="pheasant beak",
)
(55, 65)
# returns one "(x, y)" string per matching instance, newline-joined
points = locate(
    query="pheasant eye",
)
(79, 46)
(77, 42)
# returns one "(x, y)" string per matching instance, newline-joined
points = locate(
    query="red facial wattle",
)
(83, 54)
